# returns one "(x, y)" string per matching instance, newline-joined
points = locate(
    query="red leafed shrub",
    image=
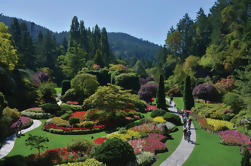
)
(206, 92)
(147, 92)
(79, 114)
(99, 140)
(25, 121)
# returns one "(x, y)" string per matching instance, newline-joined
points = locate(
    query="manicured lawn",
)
(171, 145)
(209, 152)
(179, 102)
(58, 90)
(56, 141)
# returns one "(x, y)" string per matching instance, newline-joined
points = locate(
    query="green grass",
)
(171, 145)
(58, 90)
(209, 152)
(55, 141)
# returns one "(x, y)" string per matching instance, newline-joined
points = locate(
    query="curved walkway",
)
(183, 151)
(9, 142)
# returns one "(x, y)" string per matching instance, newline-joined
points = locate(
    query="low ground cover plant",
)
(218, 125)
(146, 127)
(36, 113)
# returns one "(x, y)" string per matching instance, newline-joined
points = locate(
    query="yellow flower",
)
(159, 119)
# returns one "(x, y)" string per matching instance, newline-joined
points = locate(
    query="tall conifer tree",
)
(161, 99)
(188, 97)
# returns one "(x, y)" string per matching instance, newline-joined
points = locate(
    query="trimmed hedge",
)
(173, 118)
(156, 113)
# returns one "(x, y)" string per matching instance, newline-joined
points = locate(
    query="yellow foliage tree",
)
(8, 54)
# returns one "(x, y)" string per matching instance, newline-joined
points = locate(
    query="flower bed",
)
(99, 140)
(233, 137)
(36, 113)
(125, 136)
(26, 122)
(72, 102)
(218, 125)
(150, 107)
(152, 143)
(79, 114)
(146, 127)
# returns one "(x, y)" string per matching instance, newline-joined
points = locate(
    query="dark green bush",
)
(157, 113)
(70, 95)
(80, 145)
(17, 160)
(74, 121)
(47, 92)
(69, 107)
(65, 116)
(51, 108)
(88, 124)
(3, 103)
(173, 118)
(234, 100)
(66, 84)
(115, 152)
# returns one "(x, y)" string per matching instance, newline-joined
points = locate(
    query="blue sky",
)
(146, 19)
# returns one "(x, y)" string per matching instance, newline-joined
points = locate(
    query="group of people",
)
(187, 126)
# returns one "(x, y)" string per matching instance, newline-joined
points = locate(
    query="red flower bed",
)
(99, 140)
(79, 114)
(152, 143)
(51, 125)
(25, 120)
(72, 102)
(150, 107)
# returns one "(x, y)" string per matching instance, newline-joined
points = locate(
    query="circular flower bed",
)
(26, 122)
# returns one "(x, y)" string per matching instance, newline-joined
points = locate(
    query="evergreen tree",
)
(188, 97)
(98, 59)
(15, 32)
(83, 36)
(74, 35)
(140, 69)
(245, 158)
(161, 99)
(105, 46)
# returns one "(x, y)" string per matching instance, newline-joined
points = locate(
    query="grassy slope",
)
(171, 145)
(56, 141)
(208, 151)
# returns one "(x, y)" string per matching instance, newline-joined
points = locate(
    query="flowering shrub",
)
(125, 136)
(151, 107)
(62, 155)
(233, 137)
(96, 67)
(159, 119)
(99, 140)
(152, 143)
(146, 127)
(218, 125)
(26, 122)
(79, 114)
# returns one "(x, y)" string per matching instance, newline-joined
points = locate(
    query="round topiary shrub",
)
(51, 108)
(80, 145)
(156, 113)
(170, 117)
(74, 121)
(115, 152)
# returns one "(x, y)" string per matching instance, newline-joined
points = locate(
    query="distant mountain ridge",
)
(122, 44)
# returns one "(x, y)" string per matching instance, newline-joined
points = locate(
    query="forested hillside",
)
(122, 44)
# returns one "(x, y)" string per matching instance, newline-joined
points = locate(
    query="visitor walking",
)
(188, 135)
(185, 133)
(19, 127)
(189, 123)
(185, 122)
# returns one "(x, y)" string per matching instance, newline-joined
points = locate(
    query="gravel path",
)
(9, 142)
(183, 151)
